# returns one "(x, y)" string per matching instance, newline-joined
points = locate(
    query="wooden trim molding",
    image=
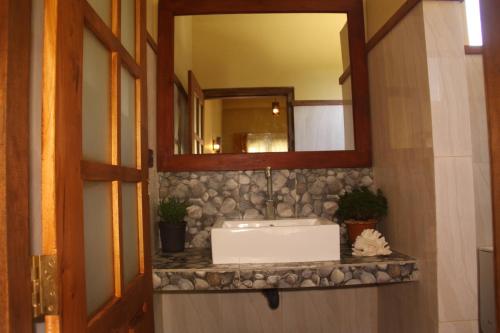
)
(470, 50)
(15, 282)
(391, 23)
(93, 171)
(400, 14)
(167, 161)
(295, 160)
(151, 42)
(62, 197)
(318, 102)
(179, 85)
(490, 18)
(94, 22)
(248, 92)
(345, 75)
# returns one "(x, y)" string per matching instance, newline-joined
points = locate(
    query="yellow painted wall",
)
(377, 12)
(300, 50)
(251, 116)
(213, 123)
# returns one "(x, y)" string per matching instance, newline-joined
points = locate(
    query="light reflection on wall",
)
(267, 142)
(473, 13)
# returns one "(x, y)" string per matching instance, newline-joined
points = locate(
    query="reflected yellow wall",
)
(250, 116)
(300, 50)
(213, 123)
(183, 53)
(152, 18)
(378, 12)
(344, 46)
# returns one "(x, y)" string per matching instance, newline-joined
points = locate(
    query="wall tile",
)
(480, 150)
(456, 239)
(192, 313)
(459, 327)
(444, 32)
(319, 190)
(483, 206)
(450, 107)
(330, 311)
(253, 193)
(313, 311)
(403, 167)
(478, 115)
(249, 313)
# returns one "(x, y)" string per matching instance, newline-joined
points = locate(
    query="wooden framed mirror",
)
(285, 133)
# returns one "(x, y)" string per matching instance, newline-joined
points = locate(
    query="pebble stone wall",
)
(242, 195)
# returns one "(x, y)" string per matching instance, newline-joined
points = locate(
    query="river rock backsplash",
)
(242, 195)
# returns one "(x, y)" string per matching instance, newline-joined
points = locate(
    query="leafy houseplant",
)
(361, 209)
(172, 226)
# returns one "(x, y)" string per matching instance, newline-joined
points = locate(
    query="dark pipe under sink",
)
(273, 298)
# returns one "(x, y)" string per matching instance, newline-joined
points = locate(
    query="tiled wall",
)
(242, 195)
(403, 167)
(351, 310)
(423, 159)
(480, 150)
(445, 29)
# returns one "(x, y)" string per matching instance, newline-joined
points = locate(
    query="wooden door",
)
(196, 104)
(94, 168)
(15, 283)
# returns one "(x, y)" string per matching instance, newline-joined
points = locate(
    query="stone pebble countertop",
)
(192, 270)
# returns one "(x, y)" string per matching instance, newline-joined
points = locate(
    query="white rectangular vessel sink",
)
(275, 241)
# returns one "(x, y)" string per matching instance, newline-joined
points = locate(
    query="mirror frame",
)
(168, 161)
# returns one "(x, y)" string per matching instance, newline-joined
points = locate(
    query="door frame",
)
(15, 278)
(15, 249)
(65, 169)
(490, 18)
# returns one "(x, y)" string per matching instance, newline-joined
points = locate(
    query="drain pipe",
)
(273, 298)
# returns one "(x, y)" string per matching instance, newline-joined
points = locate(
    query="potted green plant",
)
(361, 209)
(172, 225)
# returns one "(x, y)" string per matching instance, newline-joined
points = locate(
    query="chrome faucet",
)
(270, 212)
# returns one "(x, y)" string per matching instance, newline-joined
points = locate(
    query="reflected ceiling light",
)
(276, 108)
(216, 144)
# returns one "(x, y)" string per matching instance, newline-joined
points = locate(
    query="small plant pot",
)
(172, 236)
(355, 228)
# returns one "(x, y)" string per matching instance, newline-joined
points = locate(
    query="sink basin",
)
(275, 241)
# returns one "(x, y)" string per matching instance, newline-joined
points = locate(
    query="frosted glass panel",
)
(128, 25)
(128, 118)
(130, 232)
(98, 234)
(103, 9)
(96, 100)
(319, 128)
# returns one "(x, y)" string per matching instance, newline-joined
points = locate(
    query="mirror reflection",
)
(241, 89)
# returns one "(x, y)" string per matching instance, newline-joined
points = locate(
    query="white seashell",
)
(370, 243)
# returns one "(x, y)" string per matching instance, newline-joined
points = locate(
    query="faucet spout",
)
(270, 211)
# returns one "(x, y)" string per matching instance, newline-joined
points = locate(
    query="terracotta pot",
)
(355, 228)
(172, 236)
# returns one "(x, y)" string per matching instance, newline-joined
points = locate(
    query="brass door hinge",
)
(44, 286)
